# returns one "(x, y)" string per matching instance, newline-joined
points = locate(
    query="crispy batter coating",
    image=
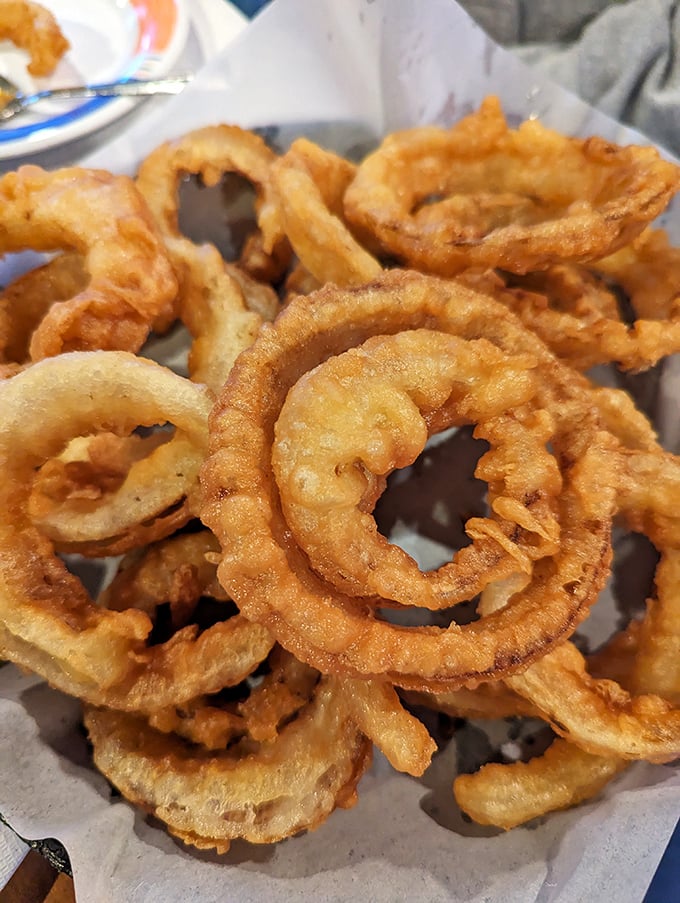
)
(131, 283)
(483, 194)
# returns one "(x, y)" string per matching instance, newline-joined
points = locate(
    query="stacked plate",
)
(110, 40)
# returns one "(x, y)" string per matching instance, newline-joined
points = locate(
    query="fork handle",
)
(131, 88)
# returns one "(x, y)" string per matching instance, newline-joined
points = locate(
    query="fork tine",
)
(15, 102)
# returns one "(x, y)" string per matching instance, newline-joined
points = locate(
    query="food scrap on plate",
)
(261, 634)
(34, 29)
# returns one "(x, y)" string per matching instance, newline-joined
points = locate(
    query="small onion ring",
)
(213, 301)
(155, 496)
(310, 183)
(207, 800)
(211, 152)
(576, 314)
(26, 300)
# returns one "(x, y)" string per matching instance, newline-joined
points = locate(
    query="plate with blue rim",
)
(109, 40)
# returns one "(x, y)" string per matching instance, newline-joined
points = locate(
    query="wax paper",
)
(346, 70)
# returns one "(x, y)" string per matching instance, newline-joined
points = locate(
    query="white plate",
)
(110, 39)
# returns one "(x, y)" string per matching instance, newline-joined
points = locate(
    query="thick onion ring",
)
(267, 574)
(509, 795)
(131, 281)
(43, 606)
(505, 203)
(310, 183)
(208, 800)
(211, 152)
(191, 663)
(416, 379)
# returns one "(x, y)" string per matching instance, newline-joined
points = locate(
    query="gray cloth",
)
(620, 57)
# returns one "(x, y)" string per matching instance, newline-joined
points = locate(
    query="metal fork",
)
(13, 102)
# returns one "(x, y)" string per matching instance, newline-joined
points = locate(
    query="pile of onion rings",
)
(260, 633)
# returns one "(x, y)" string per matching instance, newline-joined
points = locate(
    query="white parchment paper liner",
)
(379, 65)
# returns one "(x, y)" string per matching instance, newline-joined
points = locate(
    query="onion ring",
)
(310, 183)
(154, 495)
(443, 200)
(43, 606)
(600, 716)
(566, 774)
(131, 281)
(211, 152)
(577, 315)
(213, 300)
(413, 376)
(287, 786)
(510, 795)
(269, 577)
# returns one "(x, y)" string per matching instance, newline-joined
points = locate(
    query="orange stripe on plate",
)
(157, 21)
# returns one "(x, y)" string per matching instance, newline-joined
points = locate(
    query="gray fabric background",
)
(619, 56)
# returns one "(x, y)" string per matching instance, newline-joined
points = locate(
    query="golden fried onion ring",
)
(41, 605)
(191, 662)
(152, 484)
(417, 379)
(310, 184)
(482, 194)
(574, 309)
(213, 300)
(131, 281)
(268, 575)
(510, 794)
(599, 715)
(209, 799)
